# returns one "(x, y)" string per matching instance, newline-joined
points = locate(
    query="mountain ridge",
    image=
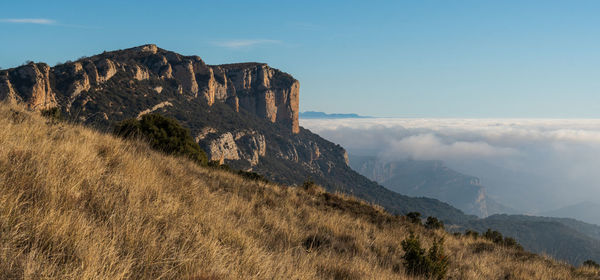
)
(62, 85)
(240, 124)
(585, 211)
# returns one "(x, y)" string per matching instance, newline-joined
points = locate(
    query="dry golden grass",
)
(78, 204)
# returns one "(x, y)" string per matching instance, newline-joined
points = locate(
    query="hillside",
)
(79, 204)
(244, 115)
(572, 240)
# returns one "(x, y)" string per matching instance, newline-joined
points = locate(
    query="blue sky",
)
(382, 58)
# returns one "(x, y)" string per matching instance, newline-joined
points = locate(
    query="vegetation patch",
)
(163, 134)
(497, 238)
(431, 264)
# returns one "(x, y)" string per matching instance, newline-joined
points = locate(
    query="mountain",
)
(575, 241)
(430, 178)
(244, 115)
(321, 115)
(567, 239)
(76, 203)
(585, 211)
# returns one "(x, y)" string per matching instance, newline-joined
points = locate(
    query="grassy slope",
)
(77, 204)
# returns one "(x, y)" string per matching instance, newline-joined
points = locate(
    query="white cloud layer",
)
(244, 43)
(43, 21)
(532, 164)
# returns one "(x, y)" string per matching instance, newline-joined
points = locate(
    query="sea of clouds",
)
(533, 165)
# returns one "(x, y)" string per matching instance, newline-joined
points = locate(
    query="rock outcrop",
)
(253, 87)
(222, 148)
(29, 83)
(243, 145)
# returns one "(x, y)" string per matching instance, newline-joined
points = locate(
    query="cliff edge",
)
(257, 88)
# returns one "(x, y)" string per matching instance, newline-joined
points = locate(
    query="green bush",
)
(163, 134)
(511, 242)
(414, 217)
(497, 238)
(591, 263)
(437, 261)
(433, 264)
(433, 223)
(217, 165)
(471, 233)
(493, 236)
(252, 176)
(53, 113)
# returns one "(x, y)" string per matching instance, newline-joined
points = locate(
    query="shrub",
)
(163, 134)
(471, 233)
(53, 113)
(217, 165)
(434, 264)
(414, 255)
(310, 187)
(511, 242)
(497, 238)
(437, 261)
(414, 217)
(252, 176)
(433, 223)
(481, 247)
(493, 236)
(591, 263)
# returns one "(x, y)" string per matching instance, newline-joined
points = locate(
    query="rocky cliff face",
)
(29, 83)
(254, 87)
(129, 83)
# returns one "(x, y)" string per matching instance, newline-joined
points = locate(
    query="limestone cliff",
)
(105, 88)
(29, 83)
(253, 87)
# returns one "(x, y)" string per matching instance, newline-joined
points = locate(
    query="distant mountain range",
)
(322, 115)
(586, 211)
(430, 178)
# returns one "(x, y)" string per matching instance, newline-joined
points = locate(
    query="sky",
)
(434, 59)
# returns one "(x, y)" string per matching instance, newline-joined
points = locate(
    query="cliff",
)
(255, 87)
